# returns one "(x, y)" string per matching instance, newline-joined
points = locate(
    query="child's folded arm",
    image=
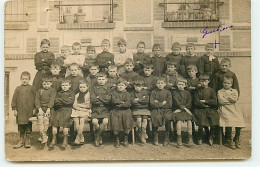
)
(154, 103)
(234, 96)
(197, 101)
(52, 99)
(68, 100)
(105, 99)
(213, 100)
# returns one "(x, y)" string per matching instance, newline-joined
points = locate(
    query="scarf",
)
(81, 98)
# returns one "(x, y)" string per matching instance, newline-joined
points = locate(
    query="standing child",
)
(159, 62)
(230, 115)
(74, 77)
(44, 102)
(81, 111)
(175, 56)
(100, 99)
(90, 59)
(122, 56)
(140, 100)
(105, 58)
(192, 80)
(121, 115)
(140, 58)
(42, 61)
(23, 105)
(64, 54)
(205, 103)
(112, 77)
(161, 104)
(182, 110)
(92, 77)
(171, 76)
(63, 108)
(149, 79)
(189, 59)
(55, 75)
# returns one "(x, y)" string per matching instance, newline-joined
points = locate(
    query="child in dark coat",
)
(121, 115)
(55, 76)
(171, 76)
(161, 113)
(140, 58)
(175, 56)
(112, 77)
(159, 62)
(23, 105)
(90, 59)
(92, 77)
(149, 79)
(64, 54)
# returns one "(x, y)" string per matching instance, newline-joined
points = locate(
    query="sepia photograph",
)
(127, 80)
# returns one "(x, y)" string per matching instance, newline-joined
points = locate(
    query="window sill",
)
(195, 24)
(95, 25)
(16, 26)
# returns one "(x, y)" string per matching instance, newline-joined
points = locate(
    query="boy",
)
(55, 75)
(161, 104)
(105, 58)
(140, 58)
(121, 115)
(74, 77)
(100, 98)
(92, 77)
(175, 55)
(64, 53)
(171, 76)
(189, 59)
(159, 62)
(89, 60)
(112, 77)
(44, 102)
(149, 79)
(192, 80)
(129, 74)
(23, 105)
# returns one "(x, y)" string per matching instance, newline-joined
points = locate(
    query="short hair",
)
(141, 42)
(73, 64)
(122, 80)
(129, 61)
(160, 79)
(225, 60)
(101, 74)
(25, 73)
(210, 45)
(121, 42)
(182, 79)
(191, 66)
(45, 41)
(190, 45)
(94, 65)
(112, 67)
(76, 44)
(65, 80)
(176, 45)
(228, 78)
(91, 48)
(172, 63)
(155, 46)
(204, 77)
(64, 47)
(82, 81)
(46, 79)
(55, 64)
(105, 41)
(148, 65)
(139, 81)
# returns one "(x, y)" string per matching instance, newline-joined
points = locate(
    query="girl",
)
(230, 115)
(205, 102)
(63, 108)
(81, 110)
(42, 61)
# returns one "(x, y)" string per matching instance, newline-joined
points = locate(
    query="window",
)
(16, 11)
(6, 95)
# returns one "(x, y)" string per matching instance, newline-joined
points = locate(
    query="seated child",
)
(171, 76)
(205, 103)
(161, 105)
(100, 100)
(62, 111)
(189, 59)
(105, 58)
(23, 105)
(230, 114)
(129, 74)
(90, 59)
(64, 54)
(74, 77)
(44, 102)
(224, 71)
(182, 110)
(112, 77)
(140, 100)
(149, 79)
(55, 75)
(159, 62)
(175, 56)
(121, 115)
(140, 58)
(122, 56)
(92, 77)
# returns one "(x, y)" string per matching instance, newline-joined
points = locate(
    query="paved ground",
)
(89, 152)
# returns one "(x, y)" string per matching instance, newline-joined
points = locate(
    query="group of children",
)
(121, 91)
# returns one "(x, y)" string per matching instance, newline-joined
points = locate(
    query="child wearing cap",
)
(189, 59)
(205, 103)
(171, 76)
(159, 62)
(149, 78)
(89, 60)
(140, 58)
(175, 55)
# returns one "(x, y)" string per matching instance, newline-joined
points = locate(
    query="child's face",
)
(160, 84)
(140, 48)
(190, 50)
(76, 49)
(55, 70)
(171, 68)
(121, 86)
(65, 86)
(204, 83)
(45, 47)
(93, 71)
(181, 85)
(46, 85)
(112, 72)
(25, 80)
(74, 70)
(64, 52)
(209, 50)
(138, 88)
(122, 48)
(83, 87)
(224, 66)
(105, 47)
(148, 71)
(101, 80)
(192, 73)
(157, 52)
(176, 51)
(227, 84)
(129, 67)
